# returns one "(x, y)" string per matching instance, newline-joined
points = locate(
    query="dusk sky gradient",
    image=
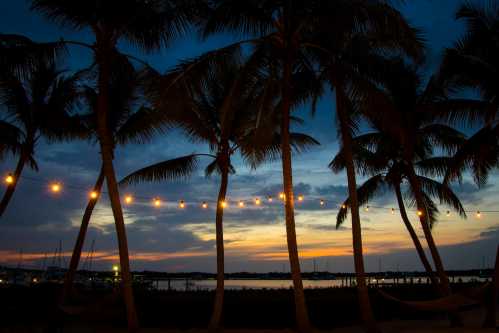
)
(170, 239)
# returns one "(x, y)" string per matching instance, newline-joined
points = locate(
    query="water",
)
(234, 284)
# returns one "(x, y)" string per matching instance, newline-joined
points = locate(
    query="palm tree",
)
(225, 106)
(473, 63)
(282, 31)
(38, 104)
(145, 24)
(376, 155)
(408, 120)
(130, 122)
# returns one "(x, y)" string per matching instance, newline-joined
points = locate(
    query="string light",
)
(157, 202)
(343, 206)
(241, 204)
(204, 205)
(223, 204)
(258, 201)
(9, 179)
(128, 199)
(55, 187)
(181, 204)
(393, 211)
(322, 202)
(282, 196)
(269, 198)
(300, 198)
(448, 213)
(366, 209)
(94, 195)
(420, 213)
(478, 214)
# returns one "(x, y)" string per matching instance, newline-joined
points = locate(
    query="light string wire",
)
(56, 187)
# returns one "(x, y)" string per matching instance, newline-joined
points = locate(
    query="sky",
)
(183, 240)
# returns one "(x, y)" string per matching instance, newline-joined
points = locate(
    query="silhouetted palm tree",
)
(129, 122)
(145, 24)
(473, 63)
(37, 104)
(225, 105)
(376, 155)
(408, 120)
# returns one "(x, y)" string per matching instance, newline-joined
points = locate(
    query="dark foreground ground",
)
(33, 309)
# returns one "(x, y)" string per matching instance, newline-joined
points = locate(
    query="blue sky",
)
(170, 239)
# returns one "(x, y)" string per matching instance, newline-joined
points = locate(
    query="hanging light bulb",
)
(300, 198)
(322, 202)
(204, 205)
(367, 208)
(269, 198)
(258, 201)
(181, 204)
(241, 204)
(448, 213)
(393, 211)
(420, 213)
(9, 179)
(223, 203)
(157, 202)
(282, 196)
(343, 206)
(55, 187)
(478, 214)
(94, 195)
(128, 199)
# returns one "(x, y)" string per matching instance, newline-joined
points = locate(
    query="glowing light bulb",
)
(157, 202)
(448, 213)
(204, 205)
(128, 199)
(223, 204)
(300, 198)
(94, 195)
(269, 198)
(181, 204)
(282, 196)
(343, 206)
(258, 201)
(322, 202)
(9, 179)
(55, 187)
(478, 214)
(367, 208)
(420, 213)
(393, 211)
(241, 204)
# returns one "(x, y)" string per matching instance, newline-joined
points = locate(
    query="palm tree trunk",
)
(302, 319)
(454, 317)
(9, 192)
(362, 290)
(491, 298)
(107, 147)
(219, 293)
(75, 258)
(415, 239)
(416, 187)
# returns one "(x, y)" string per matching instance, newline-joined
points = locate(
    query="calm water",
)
(272, 284)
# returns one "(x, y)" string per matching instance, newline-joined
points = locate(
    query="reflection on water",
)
(280, 284)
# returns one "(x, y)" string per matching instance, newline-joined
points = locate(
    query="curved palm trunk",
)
(219, 293)
(362, 290)
(302, 319)
(9, 192)
(415, 239)
(107, 147)
(75, 257)
(425, 224)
